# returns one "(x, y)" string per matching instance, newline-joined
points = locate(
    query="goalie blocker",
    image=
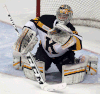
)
(26, 41)
(24, 44)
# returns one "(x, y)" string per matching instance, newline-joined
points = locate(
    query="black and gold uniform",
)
(50, 51)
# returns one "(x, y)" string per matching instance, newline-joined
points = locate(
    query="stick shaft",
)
(12, 20)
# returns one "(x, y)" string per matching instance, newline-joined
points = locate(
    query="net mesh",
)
(85, 12)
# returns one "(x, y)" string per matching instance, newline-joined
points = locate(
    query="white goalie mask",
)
(64, 14)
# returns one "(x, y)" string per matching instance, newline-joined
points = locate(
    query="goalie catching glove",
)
(60, 34)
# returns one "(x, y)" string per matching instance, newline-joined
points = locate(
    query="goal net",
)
(85, 12)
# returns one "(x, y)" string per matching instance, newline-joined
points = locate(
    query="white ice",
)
(18, 85)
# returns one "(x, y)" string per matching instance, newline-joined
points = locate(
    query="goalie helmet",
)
(64, 14)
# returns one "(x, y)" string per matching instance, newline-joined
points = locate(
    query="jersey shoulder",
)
(48, 20)
(69, 25)
(48, 17)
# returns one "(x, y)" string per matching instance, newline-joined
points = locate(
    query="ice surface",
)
(13, 81)
(19, 85)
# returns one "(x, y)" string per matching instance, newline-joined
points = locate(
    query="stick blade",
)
(53, 87)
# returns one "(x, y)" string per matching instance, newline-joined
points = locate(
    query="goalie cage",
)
(85, 12)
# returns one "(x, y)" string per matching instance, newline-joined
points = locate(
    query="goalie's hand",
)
(60, 34)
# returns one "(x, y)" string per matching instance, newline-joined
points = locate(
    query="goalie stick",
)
(36, 71)
(12, 20)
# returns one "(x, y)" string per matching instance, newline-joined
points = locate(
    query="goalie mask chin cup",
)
(64, 14)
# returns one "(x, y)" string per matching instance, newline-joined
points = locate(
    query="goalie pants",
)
(67, 58)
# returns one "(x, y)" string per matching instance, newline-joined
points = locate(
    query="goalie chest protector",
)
(44, 24)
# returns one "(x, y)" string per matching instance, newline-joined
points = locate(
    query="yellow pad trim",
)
(41, 71)
(16, 63)
(73, 72)
(27, 67)
(91, 68)
(40, 67)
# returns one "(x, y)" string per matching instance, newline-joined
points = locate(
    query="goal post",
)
(85, 12)
(37, 8)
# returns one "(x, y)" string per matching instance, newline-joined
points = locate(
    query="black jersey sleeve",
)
(69, 25)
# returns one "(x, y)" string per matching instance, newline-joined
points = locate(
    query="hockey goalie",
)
(58, 42)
